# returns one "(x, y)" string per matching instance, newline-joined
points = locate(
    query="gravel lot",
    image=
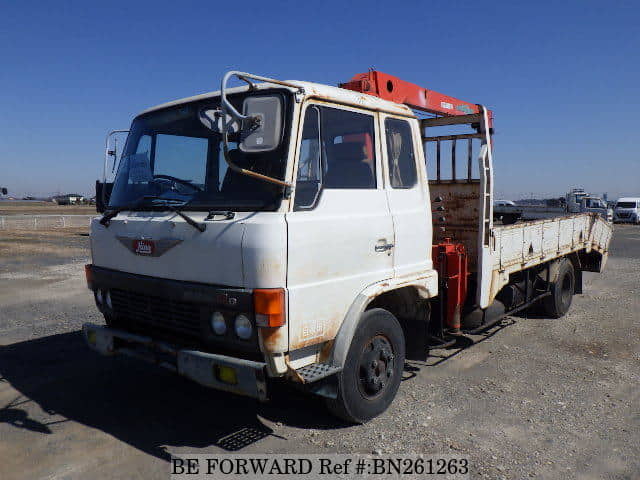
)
(536, 398)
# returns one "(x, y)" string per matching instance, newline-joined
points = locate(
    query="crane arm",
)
(394, 89)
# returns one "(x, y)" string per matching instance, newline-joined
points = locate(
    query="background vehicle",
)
(575, 201)
(296, 239)
(627, 210)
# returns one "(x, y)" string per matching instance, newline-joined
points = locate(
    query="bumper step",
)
(316, 371)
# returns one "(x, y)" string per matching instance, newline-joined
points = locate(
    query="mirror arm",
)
(252, 86)
(244, 171)
(228, 109)
(107, 152)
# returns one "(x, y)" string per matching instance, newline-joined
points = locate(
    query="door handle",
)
(384, 247)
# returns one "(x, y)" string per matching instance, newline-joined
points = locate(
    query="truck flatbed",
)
(526, 244)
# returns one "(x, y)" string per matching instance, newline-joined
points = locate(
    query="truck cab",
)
(579, 201)
(271, 270)
(627, 210)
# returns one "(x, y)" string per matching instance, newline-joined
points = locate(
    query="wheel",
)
(557, 304)
(509, 219)
(369, 381)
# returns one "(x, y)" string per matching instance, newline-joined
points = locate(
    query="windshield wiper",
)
(109, 214)
(158, 201)
(201, 227)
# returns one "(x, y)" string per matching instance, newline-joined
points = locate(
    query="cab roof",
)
(311, 90)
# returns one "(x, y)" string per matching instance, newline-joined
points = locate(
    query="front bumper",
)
(248, 377)
(629, 219)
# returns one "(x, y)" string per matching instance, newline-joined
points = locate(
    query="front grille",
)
(623, 215)
(157, 316)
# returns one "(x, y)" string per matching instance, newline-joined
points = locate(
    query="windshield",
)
(170, 155)
(595, 203)
(626, 205)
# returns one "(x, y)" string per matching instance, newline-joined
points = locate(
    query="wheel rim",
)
(377, 363)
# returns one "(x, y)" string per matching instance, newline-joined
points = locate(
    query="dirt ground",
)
(43, 208)
(535, 398)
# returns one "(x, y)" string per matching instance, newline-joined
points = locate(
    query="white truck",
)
(575, 201)
(284, 229)
(627, 210)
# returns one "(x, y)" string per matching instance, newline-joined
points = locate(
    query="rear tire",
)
(557, 304)
(509, 219)
(369, 381)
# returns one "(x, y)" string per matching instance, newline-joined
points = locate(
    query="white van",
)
(627, 210)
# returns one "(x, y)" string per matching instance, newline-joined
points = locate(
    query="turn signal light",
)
(269, 307)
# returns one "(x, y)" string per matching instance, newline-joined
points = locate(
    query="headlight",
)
(218, 325)
(243, 327)
(99, 297)
(107, 299)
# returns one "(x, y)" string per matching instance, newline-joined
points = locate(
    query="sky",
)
(563, 78)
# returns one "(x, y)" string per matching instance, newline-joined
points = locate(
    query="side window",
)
(309, 165)
(144, 145)
(337, 151)
(349, 149)
(400, 154)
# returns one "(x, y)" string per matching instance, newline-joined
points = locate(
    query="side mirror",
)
(103, 193)
(4, 191)
(263, 131)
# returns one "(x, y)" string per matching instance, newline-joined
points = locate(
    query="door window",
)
(348, 149)
(337, 151)
(400, 153)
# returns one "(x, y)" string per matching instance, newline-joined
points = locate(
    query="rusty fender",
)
(426, 285)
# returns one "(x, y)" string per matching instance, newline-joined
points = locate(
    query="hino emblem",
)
(147, 246)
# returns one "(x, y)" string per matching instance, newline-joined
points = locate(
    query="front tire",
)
(369, 381)
(557, 304)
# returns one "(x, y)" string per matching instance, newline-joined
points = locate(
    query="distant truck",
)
(627, 210)
(576, 201)
(69, 199)
(302, 240)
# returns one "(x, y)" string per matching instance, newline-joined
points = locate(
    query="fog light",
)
(218, 325)
(107, 299)
(226, 374)
(243, 327)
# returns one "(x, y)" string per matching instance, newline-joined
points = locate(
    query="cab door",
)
(340, 231)
(405, 176)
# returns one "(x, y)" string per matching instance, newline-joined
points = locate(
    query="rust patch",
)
(325, 352)
(272, 339)
(292, 373)
(306, 334)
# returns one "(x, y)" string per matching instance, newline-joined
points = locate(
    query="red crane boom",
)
(394, 89)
